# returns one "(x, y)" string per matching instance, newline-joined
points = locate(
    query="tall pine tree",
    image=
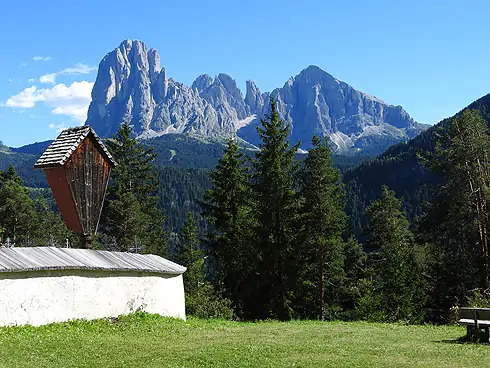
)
(131, 215)
(24, 221)
(394, 288)
(457, 221)
(201, 299)
(17, 214)
(276, 212)
(323, 220)
(191, 256)
(228, 208)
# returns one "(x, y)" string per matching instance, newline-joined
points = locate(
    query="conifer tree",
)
(201, 299)
(10, 174)
(323, 220)
(191, 256)
(228, 208)
(276, 212)
(395, 286)
(17, 215)
(27, 222)
(457, 222)
(131, 214)
(50, 229)
(355, 271)
(134, 172)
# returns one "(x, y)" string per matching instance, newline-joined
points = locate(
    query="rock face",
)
(131, 86)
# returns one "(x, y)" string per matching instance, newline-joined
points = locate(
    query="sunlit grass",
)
(151, 341)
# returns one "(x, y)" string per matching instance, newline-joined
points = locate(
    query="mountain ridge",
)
(132, 86)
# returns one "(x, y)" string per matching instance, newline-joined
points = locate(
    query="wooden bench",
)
(477, 321)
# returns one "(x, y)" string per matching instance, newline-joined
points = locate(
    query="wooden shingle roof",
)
(52, 258)
(66, 143)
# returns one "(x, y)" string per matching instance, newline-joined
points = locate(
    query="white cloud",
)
(41, 58)
(78, 69)
(58, 127)
(31, 80)
(76, 111)
(26, 99)
(72, 100)
(48, 78)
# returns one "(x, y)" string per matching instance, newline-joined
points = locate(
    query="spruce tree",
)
(50, 228)
(457, 222)
(276, 213)
(131, 214)
(355, 271)
(134, 172)
(27, 222)
(191, 256)
(323, 220)
(10, 174)
(17, 214)
(228, 208)
(201, 299)
(395, 286)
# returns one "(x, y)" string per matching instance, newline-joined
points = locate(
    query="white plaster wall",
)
(42, 297)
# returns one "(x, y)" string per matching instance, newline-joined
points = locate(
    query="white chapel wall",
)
(41, 297)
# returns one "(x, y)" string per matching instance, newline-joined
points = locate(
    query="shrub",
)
(205, 302)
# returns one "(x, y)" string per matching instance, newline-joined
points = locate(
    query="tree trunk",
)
(322, 288)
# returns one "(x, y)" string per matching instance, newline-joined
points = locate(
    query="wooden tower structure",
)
(77, 166)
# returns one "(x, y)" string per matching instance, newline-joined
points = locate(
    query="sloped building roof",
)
(66, 143)
(52, 258)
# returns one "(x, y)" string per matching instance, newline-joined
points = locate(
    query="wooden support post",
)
(86, 241)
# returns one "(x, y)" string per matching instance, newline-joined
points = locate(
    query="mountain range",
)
(179, 154)
(132, 86)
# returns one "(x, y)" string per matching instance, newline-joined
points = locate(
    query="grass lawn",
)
(143, 340)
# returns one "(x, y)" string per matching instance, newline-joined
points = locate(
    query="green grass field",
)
(150, 341)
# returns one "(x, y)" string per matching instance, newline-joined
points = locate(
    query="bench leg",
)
(484, 337)
(477, 334)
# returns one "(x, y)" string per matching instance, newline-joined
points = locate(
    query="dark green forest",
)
(182, 163)
(269, 233)
(400, 168)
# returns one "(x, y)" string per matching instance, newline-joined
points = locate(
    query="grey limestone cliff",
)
(131, 86)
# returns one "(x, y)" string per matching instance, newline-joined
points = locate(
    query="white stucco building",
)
(46, 284)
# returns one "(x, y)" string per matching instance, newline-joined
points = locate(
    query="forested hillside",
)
(182, 162)
(400, 169)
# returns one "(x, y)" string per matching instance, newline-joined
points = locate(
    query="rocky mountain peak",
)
(313, 75)
(154, 63)
(230, 86)
(253, 98)
(132, 86)
(203, 82)
(126, 45)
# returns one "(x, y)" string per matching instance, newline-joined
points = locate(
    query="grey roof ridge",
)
(24, 259)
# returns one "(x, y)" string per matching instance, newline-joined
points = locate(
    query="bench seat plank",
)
(467, 321)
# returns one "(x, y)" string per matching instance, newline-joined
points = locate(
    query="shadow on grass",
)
(464, 340)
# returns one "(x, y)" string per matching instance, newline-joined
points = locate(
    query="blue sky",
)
(431, 57)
